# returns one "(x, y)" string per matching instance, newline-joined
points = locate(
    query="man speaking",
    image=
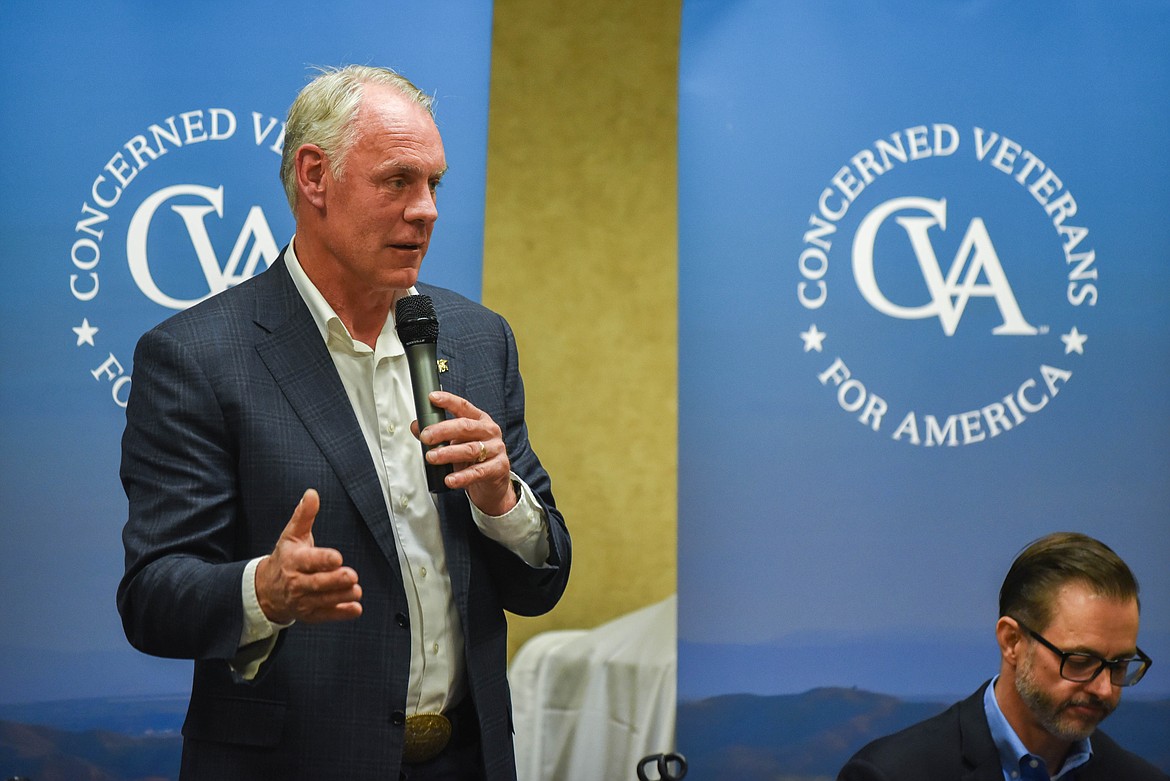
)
(346, 622)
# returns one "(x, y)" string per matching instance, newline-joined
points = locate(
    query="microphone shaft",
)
(424, 378)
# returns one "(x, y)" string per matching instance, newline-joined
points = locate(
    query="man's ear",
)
(311, 167)
(1010, 636)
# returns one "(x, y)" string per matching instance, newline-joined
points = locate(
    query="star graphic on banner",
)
(812, 338)
(85, 332)
(1074, 341)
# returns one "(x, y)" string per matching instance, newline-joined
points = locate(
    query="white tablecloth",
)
(588, 704)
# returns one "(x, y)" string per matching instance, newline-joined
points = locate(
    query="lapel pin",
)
(442, 364)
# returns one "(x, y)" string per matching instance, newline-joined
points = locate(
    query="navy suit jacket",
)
(235, 409)
(956, 745)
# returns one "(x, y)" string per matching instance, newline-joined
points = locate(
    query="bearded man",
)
(1067, 634)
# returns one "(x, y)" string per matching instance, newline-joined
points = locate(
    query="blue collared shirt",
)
(1018, 763)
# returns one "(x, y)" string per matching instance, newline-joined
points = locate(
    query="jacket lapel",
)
(978, 747)
(453, 505)
(296, 356)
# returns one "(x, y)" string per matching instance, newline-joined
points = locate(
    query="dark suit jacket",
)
(956, 745)
(235, 409)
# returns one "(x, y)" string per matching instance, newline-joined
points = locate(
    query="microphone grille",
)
(415, 319)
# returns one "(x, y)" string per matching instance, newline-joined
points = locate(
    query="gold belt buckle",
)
(427, 734)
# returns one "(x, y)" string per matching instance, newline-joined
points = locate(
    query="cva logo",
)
(899, 273)
(255, 234)
(975, 260)
(188, 219)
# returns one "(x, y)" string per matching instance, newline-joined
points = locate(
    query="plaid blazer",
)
(235, 409)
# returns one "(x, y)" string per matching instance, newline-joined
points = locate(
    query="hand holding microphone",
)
(470, 437)
(418, 330)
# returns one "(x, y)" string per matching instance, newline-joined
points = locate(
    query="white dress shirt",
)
(377, 382)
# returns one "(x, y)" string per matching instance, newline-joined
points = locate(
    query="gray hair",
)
(324, 111)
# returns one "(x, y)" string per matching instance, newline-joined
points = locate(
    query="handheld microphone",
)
(418, 330)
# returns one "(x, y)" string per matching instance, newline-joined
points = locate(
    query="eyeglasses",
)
(1082, 667)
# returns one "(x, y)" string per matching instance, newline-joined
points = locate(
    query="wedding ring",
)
(483, 454)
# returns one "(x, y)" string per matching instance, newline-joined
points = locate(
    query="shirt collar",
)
(1012, 752)
(333, 331)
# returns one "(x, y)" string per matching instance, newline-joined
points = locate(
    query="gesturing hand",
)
(299, 581)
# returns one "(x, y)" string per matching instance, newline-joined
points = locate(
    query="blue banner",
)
(924, 319)
(144, 148)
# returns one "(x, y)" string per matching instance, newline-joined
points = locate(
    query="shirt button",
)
(390, 428)
(422, 572)
(435, 648)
